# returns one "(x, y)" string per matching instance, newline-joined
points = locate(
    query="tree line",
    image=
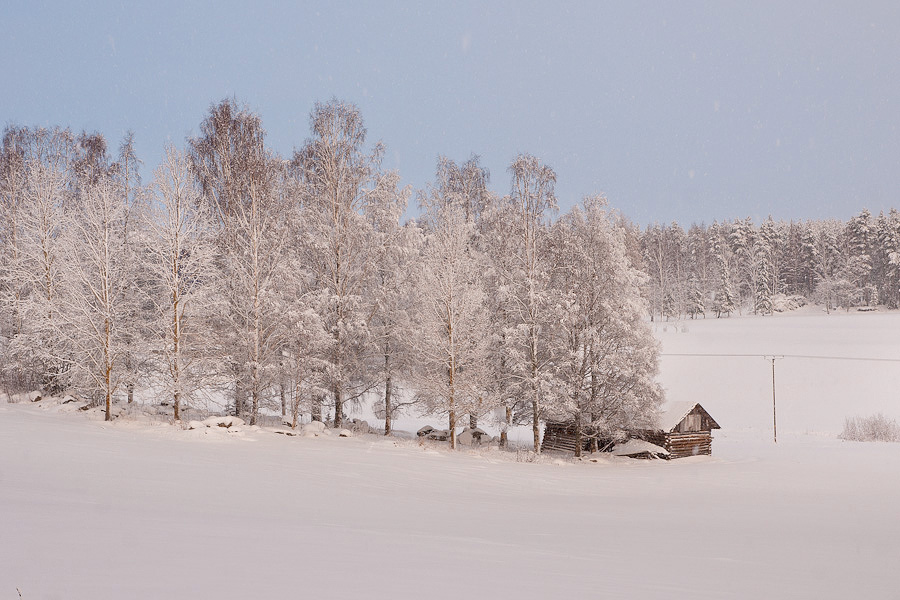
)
(738, 266)
(292, 284)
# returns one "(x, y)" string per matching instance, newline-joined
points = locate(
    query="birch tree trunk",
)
(388, 389)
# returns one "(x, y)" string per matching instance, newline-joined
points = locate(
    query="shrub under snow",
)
(876, 428)
(784, 303)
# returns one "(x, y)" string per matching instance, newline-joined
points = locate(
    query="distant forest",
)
(740, 266)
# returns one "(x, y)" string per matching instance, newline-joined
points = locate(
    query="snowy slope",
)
(811, 394)
(135, 510)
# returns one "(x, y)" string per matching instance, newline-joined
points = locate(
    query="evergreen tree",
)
(723, 299)
(696, 305)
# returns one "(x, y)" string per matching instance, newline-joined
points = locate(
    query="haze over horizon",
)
(691, 111)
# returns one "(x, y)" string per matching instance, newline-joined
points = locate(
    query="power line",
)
(805, 356)
(772, 358)
(843, 358)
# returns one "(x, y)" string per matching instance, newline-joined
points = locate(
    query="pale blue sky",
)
(675, 110)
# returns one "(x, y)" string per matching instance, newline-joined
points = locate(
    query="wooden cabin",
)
(685, 429)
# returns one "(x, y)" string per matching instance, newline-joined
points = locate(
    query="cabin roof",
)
(674, 413)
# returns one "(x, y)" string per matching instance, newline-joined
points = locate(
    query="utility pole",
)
(774, 414)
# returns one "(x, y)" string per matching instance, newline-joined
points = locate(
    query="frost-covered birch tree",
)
(605, 354)
(302, 381)
(451, 345)
(97, 311)
(126, 173)
(463, 187)
(237, 175)
(339, 175)
(499, 241)
(13, 374)
(179, 255)
(395, 249)
(534, 203)
(36, 272)
(12, 185)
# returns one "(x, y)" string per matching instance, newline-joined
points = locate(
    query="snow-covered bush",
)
(473, 437)
(314, 429)
(230, 423)
(784, 303)
(876, 428)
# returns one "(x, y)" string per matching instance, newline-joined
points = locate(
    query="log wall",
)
(681, 445)
(561, 437)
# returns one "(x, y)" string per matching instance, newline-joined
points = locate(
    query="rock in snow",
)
(230, 423)
(473, 437)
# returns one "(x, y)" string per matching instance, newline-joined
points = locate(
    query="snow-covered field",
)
(138, 510)
(812, 394)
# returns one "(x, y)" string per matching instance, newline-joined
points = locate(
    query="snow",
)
(233, 423)
(136, 508)
(635, 446)
(812, 394)
(673, 412)
(314, 429)
(473, 437)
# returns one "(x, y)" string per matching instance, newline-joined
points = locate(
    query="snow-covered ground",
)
(133, 509)
(812, 394)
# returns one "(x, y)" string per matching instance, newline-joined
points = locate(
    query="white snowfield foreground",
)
(124, 509)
